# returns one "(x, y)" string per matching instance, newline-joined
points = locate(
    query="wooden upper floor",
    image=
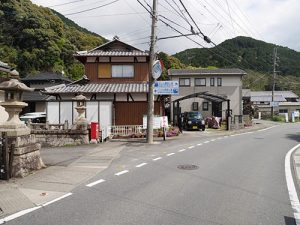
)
(115, 62)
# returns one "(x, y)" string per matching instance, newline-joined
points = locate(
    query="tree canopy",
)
(35, 38)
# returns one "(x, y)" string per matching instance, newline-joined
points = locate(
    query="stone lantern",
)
(26, 152)
(13, 102)
(80, 122)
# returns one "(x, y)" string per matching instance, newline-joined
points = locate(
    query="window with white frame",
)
(200, 81)
(212, 81)
(205, 106)
(184, 82)
(122, 71)
(219, 81)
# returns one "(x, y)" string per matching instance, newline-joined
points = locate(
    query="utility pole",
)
(151, 80)
(274, 77)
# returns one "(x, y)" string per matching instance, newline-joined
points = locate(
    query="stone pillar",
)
(81, 122)
(26, 155)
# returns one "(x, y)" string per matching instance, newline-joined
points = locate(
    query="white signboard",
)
(157, 122)
(296, 114)
(164, 121)
(167, 87)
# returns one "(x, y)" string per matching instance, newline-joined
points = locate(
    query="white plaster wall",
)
(227, 80)
(231, 87)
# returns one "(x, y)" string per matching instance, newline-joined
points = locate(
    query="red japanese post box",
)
(94, 131)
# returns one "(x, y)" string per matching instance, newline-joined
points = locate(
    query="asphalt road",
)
(238, 180)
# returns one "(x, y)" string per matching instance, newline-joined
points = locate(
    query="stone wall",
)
(55, 138)
(26, 157)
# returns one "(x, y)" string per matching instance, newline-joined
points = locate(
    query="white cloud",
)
(272, 21)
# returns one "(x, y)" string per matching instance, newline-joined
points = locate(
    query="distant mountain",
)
(245, 53)
(34, 38)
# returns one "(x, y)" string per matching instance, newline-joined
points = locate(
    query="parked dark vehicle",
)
(36, 117)
(193, 121)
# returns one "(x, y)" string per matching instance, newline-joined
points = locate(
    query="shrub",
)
(278, 118)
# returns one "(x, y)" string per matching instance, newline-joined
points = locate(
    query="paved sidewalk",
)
(68, 167)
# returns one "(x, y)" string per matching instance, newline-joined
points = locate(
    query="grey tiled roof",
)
(113, 48)
(112, 53)
(34, 96)
(44, 76)
(188, 72)
(100, 88)
(285, 94)
(268, 98)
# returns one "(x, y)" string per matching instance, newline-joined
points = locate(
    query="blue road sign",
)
(166, 87)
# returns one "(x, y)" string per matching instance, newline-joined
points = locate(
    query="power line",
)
(82, 6)
(230, 15)
(87, 10)
(67, 3)
(205, 38)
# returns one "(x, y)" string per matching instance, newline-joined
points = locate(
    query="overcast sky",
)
(274, 21)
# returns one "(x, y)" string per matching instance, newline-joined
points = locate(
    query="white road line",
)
(140, 165)
(291, 185)
(171, 154)
(18, 214)
(182, 150)
(121, 173)
(268, 128)
(232, 135)
(26, 211)
(57, 199)
(157, 159)
(94, 183)
(199, 144)
(191, 147)
(226, 136)
(213, 140)
(205, 142)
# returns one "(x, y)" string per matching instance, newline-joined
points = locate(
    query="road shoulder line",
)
(291, 185)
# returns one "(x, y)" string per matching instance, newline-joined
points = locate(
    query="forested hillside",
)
(35, 38)
(245, 53)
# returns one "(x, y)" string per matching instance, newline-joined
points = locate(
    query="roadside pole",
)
(274, 77)
(151, 80)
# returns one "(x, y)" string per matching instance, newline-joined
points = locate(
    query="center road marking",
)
(121, 173)
(140, 165)
(191, 147)
(171, 154)
(94, 183)
(181, 150)
(199, 144)
(291, 185)
(205, 142)
(157, 159)
(212, 139)
(57, 199)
